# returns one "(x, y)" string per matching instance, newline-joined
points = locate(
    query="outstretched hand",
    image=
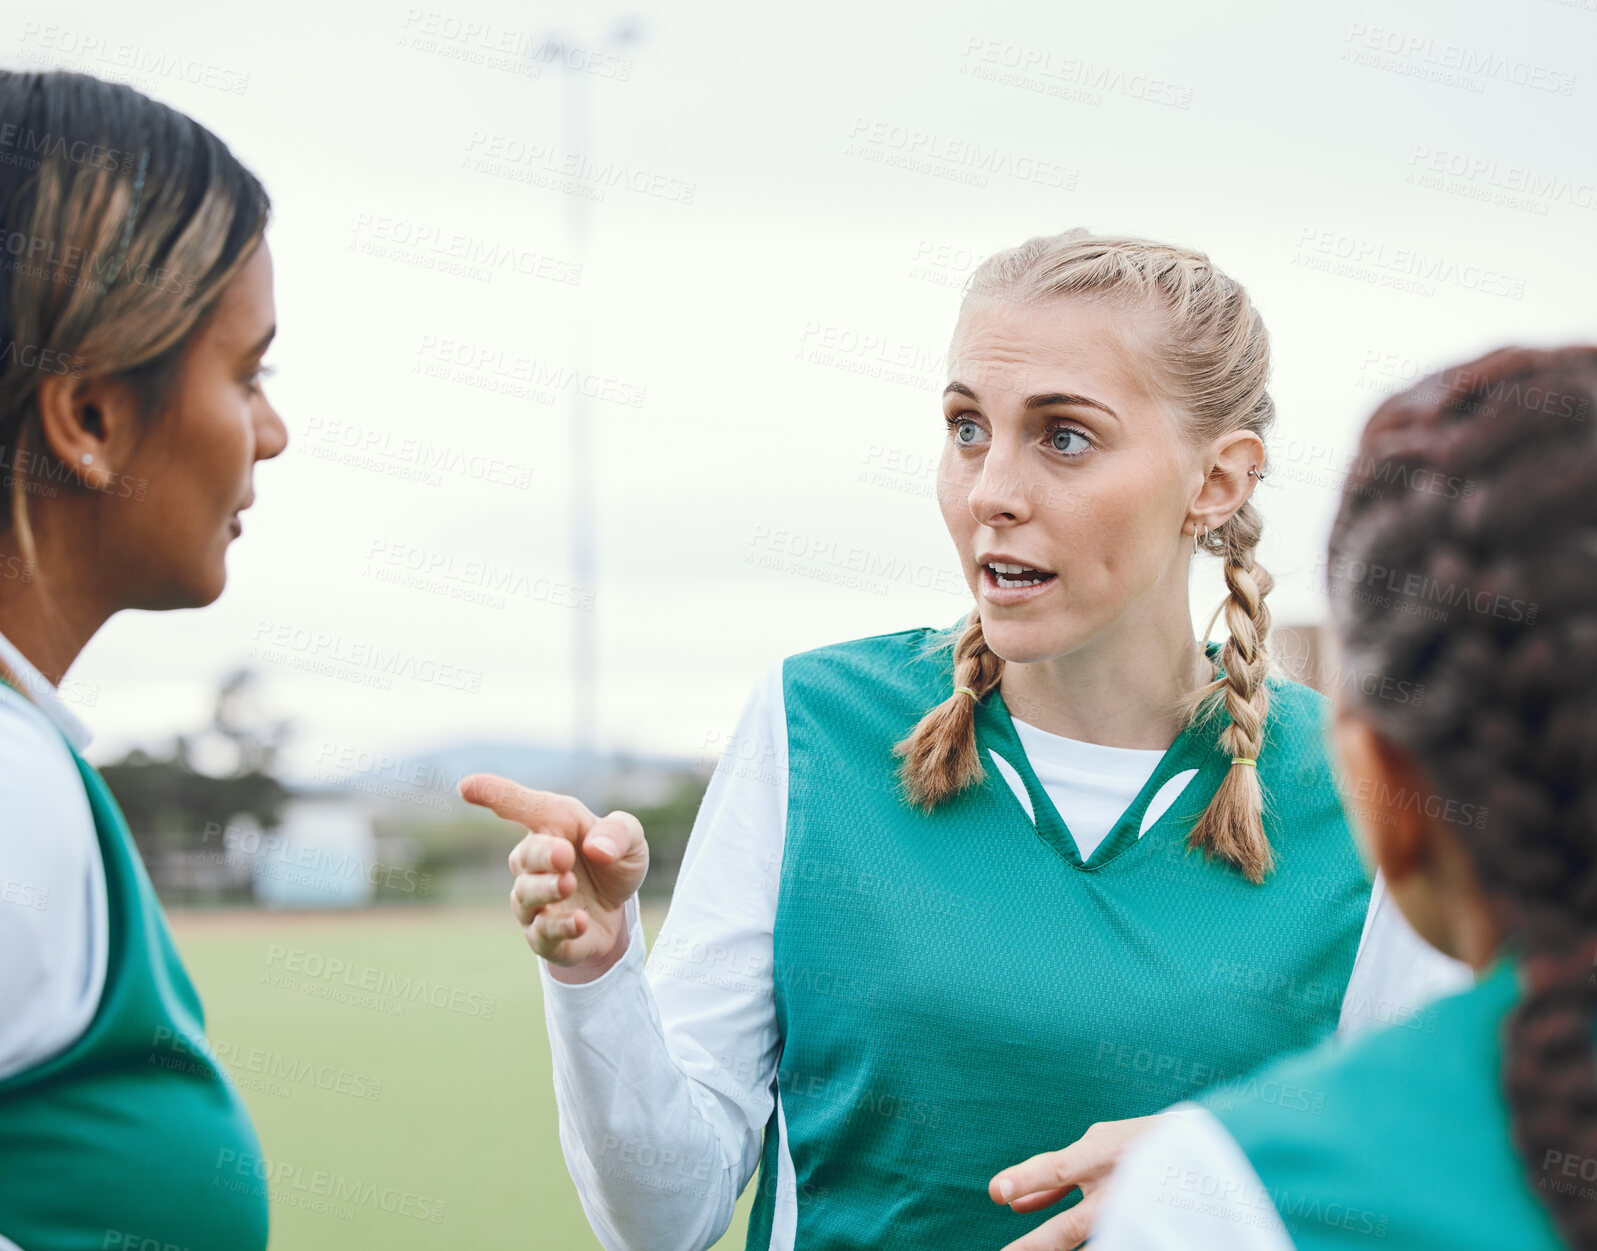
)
(574, 872)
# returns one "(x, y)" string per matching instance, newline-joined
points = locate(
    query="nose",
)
(1002, 494)
(271, 435)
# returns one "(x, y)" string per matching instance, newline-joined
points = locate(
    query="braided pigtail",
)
(1464, 558)
(1550, 1074)
(1231, 828)
(939, 755)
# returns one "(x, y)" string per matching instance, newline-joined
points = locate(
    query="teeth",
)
(1004, 575)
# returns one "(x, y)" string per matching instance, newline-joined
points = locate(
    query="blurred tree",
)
(474, 844)
(207, 779)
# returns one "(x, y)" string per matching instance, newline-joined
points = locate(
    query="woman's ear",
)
(1428, 869)
(1227, 485)
(1384, 798)
(87, 424)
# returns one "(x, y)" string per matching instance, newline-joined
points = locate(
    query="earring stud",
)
(88, 458)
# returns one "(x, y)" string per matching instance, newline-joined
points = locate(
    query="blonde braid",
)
(1232, 826)
(940, 756)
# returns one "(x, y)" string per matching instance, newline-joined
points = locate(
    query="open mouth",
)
(1007, 576)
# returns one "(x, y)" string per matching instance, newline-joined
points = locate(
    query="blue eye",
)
(1064, 432)
(958, 427)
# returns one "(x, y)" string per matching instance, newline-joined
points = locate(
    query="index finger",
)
(544, 811)
(1050, 1171)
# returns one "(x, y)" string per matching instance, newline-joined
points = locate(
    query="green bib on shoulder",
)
(960, 990)
(133, 1135)
(1408, 1141)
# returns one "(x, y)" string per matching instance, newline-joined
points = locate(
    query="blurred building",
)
(322, 855)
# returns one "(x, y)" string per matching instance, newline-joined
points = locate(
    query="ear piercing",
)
(88, 458)
(1202, 531)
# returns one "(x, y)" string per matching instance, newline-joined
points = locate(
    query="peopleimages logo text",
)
(380, 981)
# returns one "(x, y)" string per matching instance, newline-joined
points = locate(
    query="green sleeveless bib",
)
(960, 990)
(1412, 1148)
(132, 1133)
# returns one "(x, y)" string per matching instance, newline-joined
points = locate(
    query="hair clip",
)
(133, 213)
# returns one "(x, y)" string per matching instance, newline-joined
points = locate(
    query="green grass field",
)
(426, 1030)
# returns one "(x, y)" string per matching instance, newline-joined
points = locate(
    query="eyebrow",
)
(1048, 400)
(260, 347)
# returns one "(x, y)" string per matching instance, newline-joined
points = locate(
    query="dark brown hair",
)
(121, 222)
(1464, 558)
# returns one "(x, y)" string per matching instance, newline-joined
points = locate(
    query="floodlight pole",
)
(583, 554)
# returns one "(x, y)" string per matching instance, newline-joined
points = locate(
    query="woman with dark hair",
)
(135, 306)
(1479, 804)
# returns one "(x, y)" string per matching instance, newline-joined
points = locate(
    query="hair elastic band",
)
(1247, 760)
(964, 690)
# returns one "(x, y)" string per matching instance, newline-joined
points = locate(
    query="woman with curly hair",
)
(1479, 804)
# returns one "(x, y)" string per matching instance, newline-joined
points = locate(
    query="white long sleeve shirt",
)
(665, 1068)
(54, 937)
(53, 918)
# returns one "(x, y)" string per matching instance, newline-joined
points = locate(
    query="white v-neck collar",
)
(1079, 756)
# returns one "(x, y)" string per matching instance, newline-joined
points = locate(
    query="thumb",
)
(612, 838)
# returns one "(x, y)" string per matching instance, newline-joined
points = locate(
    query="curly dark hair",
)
(1464, 557)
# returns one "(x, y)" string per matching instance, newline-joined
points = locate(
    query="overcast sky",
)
(783, 203)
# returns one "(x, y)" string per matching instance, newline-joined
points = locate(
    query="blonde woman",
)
(965, 906)
(135, 305)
